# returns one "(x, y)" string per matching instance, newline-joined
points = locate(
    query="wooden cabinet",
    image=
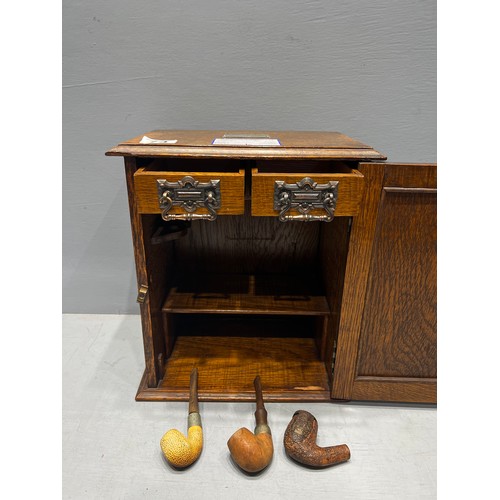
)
(299, 256)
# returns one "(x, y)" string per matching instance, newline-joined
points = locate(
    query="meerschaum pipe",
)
(300, 443)
(179, 451)
(253, 452)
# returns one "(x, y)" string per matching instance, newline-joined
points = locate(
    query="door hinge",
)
(141, 296)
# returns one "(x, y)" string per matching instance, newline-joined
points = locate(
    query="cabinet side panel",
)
(398, 332)
(334, 244)
(150, 375)
(160, 266)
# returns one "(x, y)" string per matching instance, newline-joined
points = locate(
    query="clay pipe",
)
(179, 450)
(300, 443)
(253, 452)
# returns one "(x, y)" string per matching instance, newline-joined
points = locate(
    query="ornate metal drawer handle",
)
(189, 194)
(305, 196)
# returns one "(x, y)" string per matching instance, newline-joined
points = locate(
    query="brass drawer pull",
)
(189, 194)
(305, 196)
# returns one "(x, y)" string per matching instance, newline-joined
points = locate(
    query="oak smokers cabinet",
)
(300, 256)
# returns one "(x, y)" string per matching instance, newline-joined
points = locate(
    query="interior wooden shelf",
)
(289, 369)
(248, 294)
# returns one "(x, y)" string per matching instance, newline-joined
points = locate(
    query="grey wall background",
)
(364, 68)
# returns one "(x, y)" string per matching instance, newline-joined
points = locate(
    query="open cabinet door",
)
(386, 347)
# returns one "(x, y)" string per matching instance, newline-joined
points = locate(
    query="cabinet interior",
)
(243, 296)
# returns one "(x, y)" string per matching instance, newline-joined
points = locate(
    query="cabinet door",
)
(387, 338)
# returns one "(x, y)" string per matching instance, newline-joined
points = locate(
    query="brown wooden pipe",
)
(253, 452)
(300, 443)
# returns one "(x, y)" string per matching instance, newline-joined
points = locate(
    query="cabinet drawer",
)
(349, 191)
(230, 188)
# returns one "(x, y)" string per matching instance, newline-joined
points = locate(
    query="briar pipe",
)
(253, 452)
(300, 443)
(179, 450)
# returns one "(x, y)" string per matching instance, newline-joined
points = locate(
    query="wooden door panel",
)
(387, 347)
(398, 336)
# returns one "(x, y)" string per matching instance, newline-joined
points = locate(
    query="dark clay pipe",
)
(300, 443)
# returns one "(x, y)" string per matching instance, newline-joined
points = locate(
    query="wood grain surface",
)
(410, 175)
(333, 250)
(160, 262)
(148, 332)
(248, 294)
(289, 368)
(350, 191)
(398, 333)
(287, 138)
(231, 187)
(192, 144)
(249, 245)
(397, 389)
(356, 278)
(390, 353)
(245, 153)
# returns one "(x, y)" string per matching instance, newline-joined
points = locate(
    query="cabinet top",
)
(246, 144)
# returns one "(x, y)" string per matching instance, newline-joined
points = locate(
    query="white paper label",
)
(148, 140)
(237, 141)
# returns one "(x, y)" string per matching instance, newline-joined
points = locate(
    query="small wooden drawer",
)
(230, 186)
(349, 189)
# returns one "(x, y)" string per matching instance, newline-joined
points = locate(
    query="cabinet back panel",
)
(249, 245)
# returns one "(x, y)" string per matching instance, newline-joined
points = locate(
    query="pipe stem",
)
(193, 392)
(260, 412)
